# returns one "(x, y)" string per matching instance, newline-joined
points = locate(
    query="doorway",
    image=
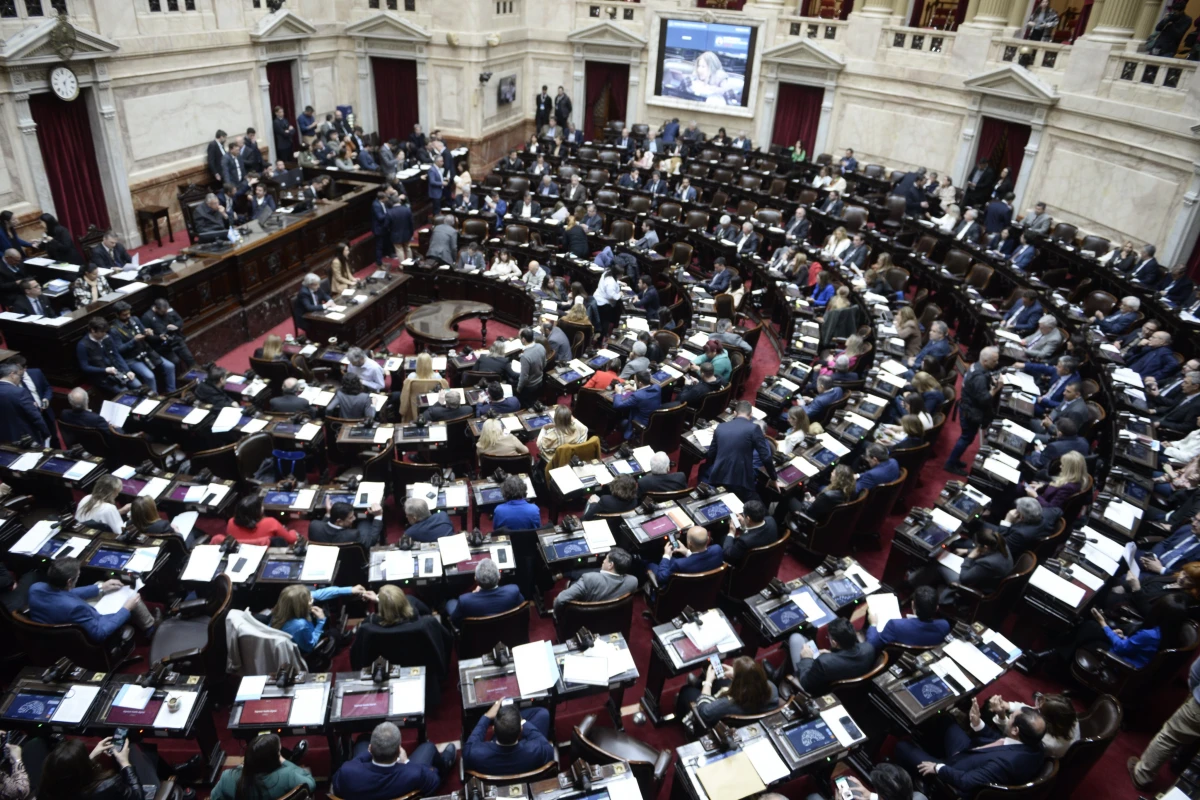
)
(64, 135)
(606, 87)
(395, 97)
(797, 116)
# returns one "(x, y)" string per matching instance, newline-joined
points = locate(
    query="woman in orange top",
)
(603, 378)
(249, 526)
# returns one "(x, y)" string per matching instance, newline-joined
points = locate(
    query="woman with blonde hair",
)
(841, 489)
(341, 277)
(949, 221)
(841, 299)
(397, 608)
(272, 348)
(709, 78)
(296, 615)
(563, 429)
(909, 330)
(494, 440)
(799, 427)
(100, 506)
(577, 313)
(1072, 477)
(836, 243)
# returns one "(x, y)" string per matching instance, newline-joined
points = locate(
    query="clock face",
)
(64, 83)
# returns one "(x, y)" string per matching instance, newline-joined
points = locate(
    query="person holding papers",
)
(611, 581)
(424, 526)
(983, 567)
(519, 744)
(516, 512)
(264, 774)
(1136, 643)
(922, 630)
(744, 690)
(249, 526)
(818, 669)
(296, 615)
(145, 519)
(342, 525)
(1064, 371)
(58, 601)
(487, 598)
(696, 555)
(382, 770)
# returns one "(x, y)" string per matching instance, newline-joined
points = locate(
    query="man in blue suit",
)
(516, 512)
(1024, 254)
(937, 347)
(923, 630)
(1146, 271)
(58, 601)
(520, 743)
(1182, 546)
(35, 384)
(380, 227)
(1177, 288)
(670, 131)
(487, 598)
(1155, 360)
(848, 163)
(972, 761)
(1115, 324)
(19, 415)
(400, 226)
(496, 401)
(696, 555)
(436, 180)
(423, 526)
(721, 277)
(884, 468)
(998, 214)
(731, 455)
(686, 193)
(640, 403)
(381, 770)
(1066, 440)
(827, 395)
(1064, 372)
(1023, 317)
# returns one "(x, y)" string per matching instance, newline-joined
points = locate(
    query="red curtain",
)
(283, 94)
(1193, 262)
(65, 138)
(1002, 144)
(797, 113)
(607, 85)
(395, 97)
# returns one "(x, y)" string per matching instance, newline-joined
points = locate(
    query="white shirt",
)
(103, 512)
(370, 374)
(502, 269)
(608, 292)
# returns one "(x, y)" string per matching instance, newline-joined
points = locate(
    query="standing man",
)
(731, 454)
(1180, 731)
(533, 369)
(216, 155)
(400, 226)
(252, 160)
(436, 182)
(231, 165)
(976, 405)
(284, 148)
(544, 105)
(19, 415)
(380, 228)
(308, 127)
(562, 108)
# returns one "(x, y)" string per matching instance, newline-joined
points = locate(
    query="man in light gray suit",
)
(1039, 221)
(611, 581)
(443, 241)
(1045, 340)
(1072, 407)
(388, 163)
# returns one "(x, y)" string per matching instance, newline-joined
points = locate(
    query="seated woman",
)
(563, 429)
(621, 496)
(1142, 592)
(984, 565)
(345, 160)
(70, 772)
(1071, 477)
(99, 509)
(294, 613)
(503, 266)
(841, 489)
(949, 221)
(836, 243)
(744, 690)
(264, 774)
(666, 320)
(351, 401)
(341, 277)
(494, 440)
(909, 330)
(823, 292)
(249, 526)
(714, 353)
(90, 286)
(931, 392)
(1062, 721)
(272, 348)
(796, 270)
(799, 427)
(144, 518)
(429, 381)
(1136, 643)
(397, 608)
(908, 434)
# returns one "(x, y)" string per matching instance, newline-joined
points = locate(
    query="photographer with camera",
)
(167, 327)
(132, 340)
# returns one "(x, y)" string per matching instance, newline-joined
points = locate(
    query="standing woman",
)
(575, 239)
(8, 234)
(341, 277)
(60, 244)
(608, 300)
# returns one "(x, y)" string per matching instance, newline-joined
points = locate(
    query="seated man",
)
(1181, 547)
(1045, 340)
(57, 601)
(921, 630)
(817, 669)
(970, 762)
(1027, 525)
(78, 413)
(516, 512)
(827, 395)
(1023, 317)
(1072, 407)
(720, 277)
(937, 347)
(755, 529)
(611, 581)
(520, 743)
(696, 389)
(883, 468)
(1064, 371)
(640, 403)
(290, 401)
(341, 524)
(496, 401)
(1066, 439)
(1117, 322)
(1181, 417)
(423, 526)
(660, 478)
(697, 555)
(1155, 360)
(381, 770)
(487, 598)
(110, 253)
(451, 409)
(725, 334)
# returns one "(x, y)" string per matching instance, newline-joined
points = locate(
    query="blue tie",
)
(1177, 552)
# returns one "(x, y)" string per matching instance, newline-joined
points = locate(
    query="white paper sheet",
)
(1001, 641)
(946, 667)
(1093, 582)
(968, 656)
(216, 493)
(883, 608)
(308, 431)
(195, 417)
(202, 564)
(712, 631)
(870, 584)
(457, 497)
(807, 604)
(35, 537)
(536, 667)
(1122, 513)
(585, 669)
(304, 499)
(1002, 470)
(253, 555)
(143, 559)
(1099, 559)
(454, 549)
(398, 565)
(80, 470)
(115, 413)
(1023, 433)
(112, 602)
(251, 688)
(75, 703)
(124, 472)
(254, 426)
(227, 419)
(1126, 375)
(408, 696)
(833, 444)
(308, 706)
(1130, 558)
(133, 696)
(319, 563)
(1056, 586)
(25, 462)
(73, 547)
(766, 760)
(154, 487)
(952, 561)
(598, 535)
(384, 434)
(945, 521)
(566, 479)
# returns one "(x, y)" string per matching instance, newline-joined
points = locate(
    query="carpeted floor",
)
(1107, 779)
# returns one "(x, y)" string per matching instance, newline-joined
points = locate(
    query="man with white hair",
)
(637, 361)
(381, 769)
(80, 416)
(290, 401)
(1182, 417)
(1155, 359)
(726, 230)
(1114, 324)
(312, 298)
(968, 230)
(535, 276)
(725, 335)
(210, 219)
(367, 370)
(660, 478)
(1045, 340)
(937, 347)
(423, 526)
(976, 406)
(747, 243)
(797, 227)
(487, 598)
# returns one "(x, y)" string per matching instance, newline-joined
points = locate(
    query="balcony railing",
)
(816, 28)
(1170, 74)
(919, 40)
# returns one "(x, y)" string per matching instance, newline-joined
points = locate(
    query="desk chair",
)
(698, 590)
(759, 568)
(599, 745)
(478, 635)
(598, 616)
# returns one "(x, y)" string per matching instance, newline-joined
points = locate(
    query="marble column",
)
(110, 159)
(1148, 16)
(423, 90)
(304, 70)
(875, 8)
(820, 142)
(902, 9)
(1094, 18)
(365, 107)
(766, 120)
(1186, 227)
(264, 93)
(1018, 12)
(579, 96)
(965, 157)
(1116, 20)
(972, 8)
(33, 154)
(992, 13)
(633, 97)
(1027, 164)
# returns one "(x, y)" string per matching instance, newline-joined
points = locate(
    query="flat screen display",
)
(366, 704)
(105, 558)
(506, 92)
(497, 688)
(659, 526)
(280, 498)
(928, 690)
(569, 375)
(267, 711)
(282, 570)
(34, 706)
(785, 617)
(705, 62)
(491, 495)
(713, 511)
(537, 422)
(810, 736)
(59, 466)
(572, 549)
(179, 409)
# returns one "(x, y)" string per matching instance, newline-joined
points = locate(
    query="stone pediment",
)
(1012, 82)
(386, 25)
(606, 33)
(803, 53)
(47, 43)
(282, 26)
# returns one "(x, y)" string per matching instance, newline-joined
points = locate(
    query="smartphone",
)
(850, 727)
(718, 668)
(237, 565)
(502, 556)
(362, 499)
(843, 789)
(118, 738)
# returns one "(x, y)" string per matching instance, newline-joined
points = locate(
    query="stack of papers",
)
(75, 704)
(36, 537)
(883, 608)
(454, 549)
(319, 563)
(143, 560)
(598, 535)
(398, 565)
(711, 631)
(945, 668)
(202, 564)
(116, 413)
(251, 688)
(536, 668)
(408, 696)
(308, 706)
(969, 657)
(1057, 586)
(155, 487)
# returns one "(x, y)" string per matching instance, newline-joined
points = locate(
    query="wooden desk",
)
(434, 326)
(367, 323)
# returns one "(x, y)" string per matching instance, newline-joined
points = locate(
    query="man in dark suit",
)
(1166, 395)
(640, 403)
(998, 214)
(856, 254)
(381, 769)
(1117, 322)
(527, 207)
(686, 193)
(342, 525)
(469, 257)
(494, 360)
(290, 401)
(496, 401)
(660, 478)
(976, 405)
(647, 297)
(168, 338)
(543, 105)
(827, 394)
(1023, 317)
(695, 555)
(833, 205)
(670, 131)
(1155, 359)
(31, 301)
(797, 227)
(754, 529)
(1066, 439)
(731, 454)
(630, 180)
(883, 468)
(979, 184)
(696, 389)
(400, 226)
(656, 185)
(921, 630)
(576, 194)
(848, 164)
(1027, 525)
(210, 219)
(1182, 417)
(1177, 288)
(252, 159)
(283, 131)
(488, 597)
(1023, 254)
(232, 170)
(437, 182)
(562, 108)
(742, 142)
(520, 743)
(970, 762)
(846, 658)
(216, 157)
(379, 227)
(625, 140)
(423, 526)
(1181, 547)
(19, 415)
(747, 243)
(110, 253)
(968, 230)
(311, 298)
(452, 409)
(12, 272)
(547, 188)
(1147, 269)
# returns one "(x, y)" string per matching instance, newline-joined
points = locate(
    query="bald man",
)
(290, 401)
(694, 555)
(11, 274)
(977, 405)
